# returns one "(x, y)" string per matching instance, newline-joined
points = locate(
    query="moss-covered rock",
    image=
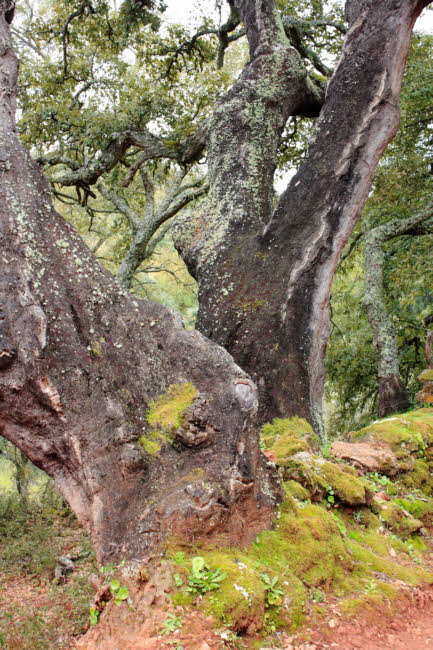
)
(399, 520)
(421, 509)
(296, 490)
(320, 477)
(285, 437)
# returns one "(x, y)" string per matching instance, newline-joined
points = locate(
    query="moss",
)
(399, 520)
(151, 447)
(419, 476)
(296, 490)
(426, 375)
(419, 508)
(285, 437)
(240, 601)
(370, 562)
(408, 432)
(153, 442)
(308, 544)
(379, 594)
(347, 488)
(166, 411)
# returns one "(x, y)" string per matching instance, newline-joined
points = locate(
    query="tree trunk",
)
(81, 364)
(393, 396)
(265, 275)
(429, 349)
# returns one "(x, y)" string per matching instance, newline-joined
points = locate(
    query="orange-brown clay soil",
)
(410, 628)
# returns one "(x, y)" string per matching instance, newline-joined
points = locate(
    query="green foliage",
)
(202, 579)
(120, 592)
(34, 532)
(273, 593)
(94, 616)
(171, 624)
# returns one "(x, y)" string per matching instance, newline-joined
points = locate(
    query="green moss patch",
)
(166, 411)
(426, 375)
(286, 437)
(399, 520)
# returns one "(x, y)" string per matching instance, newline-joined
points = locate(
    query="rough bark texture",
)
(80, 365)
(393, 396)
(265, 275)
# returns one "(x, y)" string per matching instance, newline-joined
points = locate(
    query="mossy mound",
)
(410, 437)
(426, 375)
(421, 508)
(407, 433)
(296, 490)
(399, 520)
(240, 601)
(322, 478)
(285, 437)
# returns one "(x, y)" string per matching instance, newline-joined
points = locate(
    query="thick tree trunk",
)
(80, 365)
(265, 276)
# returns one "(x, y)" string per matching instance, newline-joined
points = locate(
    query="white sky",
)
(181, 11)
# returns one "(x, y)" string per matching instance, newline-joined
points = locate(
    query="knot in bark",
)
(196, 430)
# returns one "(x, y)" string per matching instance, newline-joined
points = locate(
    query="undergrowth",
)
(35, 611)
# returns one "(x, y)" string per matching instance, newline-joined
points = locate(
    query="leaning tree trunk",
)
(81, 363)
(265, 275)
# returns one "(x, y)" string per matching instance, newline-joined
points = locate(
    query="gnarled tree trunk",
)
(80, 365)
(265, 274)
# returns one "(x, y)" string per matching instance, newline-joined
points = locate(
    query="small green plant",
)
(273, 593)
(330, 498)
(340, 524)
(177, 580)
(358, 517)
(202, 579)
(326, 450)
(94, 616)
(171, 624)
(317, 595)
(379, 481)
(371, 586)
(120, 592)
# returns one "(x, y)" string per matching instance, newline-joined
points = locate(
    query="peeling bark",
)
(265, 275)
(80, 365)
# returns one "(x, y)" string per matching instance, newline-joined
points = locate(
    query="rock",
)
(366, 456)
(399, 520)
(64, 566)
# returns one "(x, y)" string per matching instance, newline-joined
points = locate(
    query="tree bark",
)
(265, 275)
(80, 365)
(393, 396)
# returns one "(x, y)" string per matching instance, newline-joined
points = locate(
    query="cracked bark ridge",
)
(265, 275)
(80, 364)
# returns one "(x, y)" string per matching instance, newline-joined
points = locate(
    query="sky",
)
(179, 11)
